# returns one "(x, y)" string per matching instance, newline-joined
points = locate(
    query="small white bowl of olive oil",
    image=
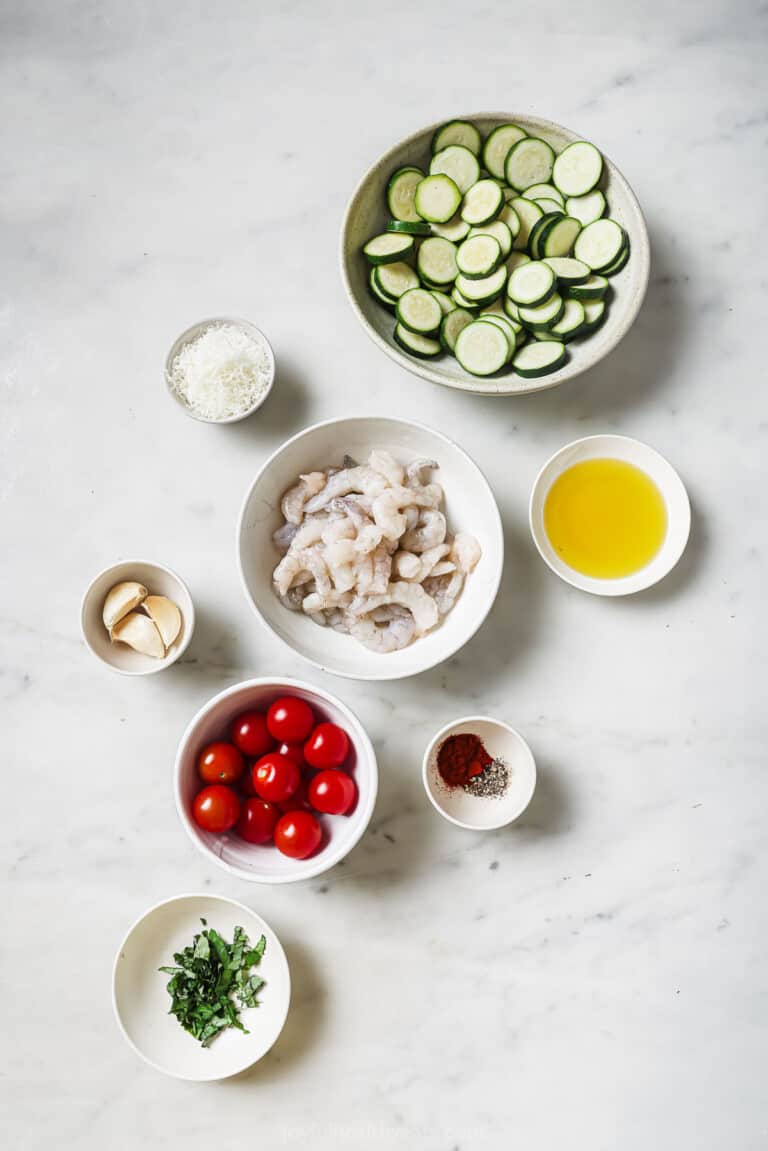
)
(609, 515)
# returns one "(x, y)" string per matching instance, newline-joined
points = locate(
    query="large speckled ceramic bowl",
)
(367, 215)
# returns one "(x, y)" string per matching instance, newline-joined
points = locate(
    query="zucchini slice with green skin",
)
(418, 311)
(481, 348)
(568, 270)
(401, 191)
(462, 301)
(560, 238)
(600, 244)
(539, 231)
(446, 303)
(460, 132)
(383, 297)
(455, 230)
(394, 279)
(539, 358)
(586, 209)
(436, 262)
(570, 323)
(528, 213)
(437, 198)
(545, 315)
(485, 290)
(577, 169)
(416, 345)
(459, 164)
(530, 284)
(497, 145)
(594, 314)
(506, 327)
(545, 192)
(482, 202)
(409, 227)
(516, 259)
(451, 325)
(593, 288)
(548, 205)
(509, 216)
(387, 248)
(614, 268)
(500, 232)
(478, 256)
(511, 309)
(529, 162)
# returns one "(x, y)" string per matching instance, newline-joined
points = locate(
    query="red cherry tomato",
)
(257, 821)
(220, 763)
(249, 733)
(275, 777)
(298, 834)
(299, 801)
(328, 746)
(290, 720)
(294, 751)
(216, 808)
(332, 792)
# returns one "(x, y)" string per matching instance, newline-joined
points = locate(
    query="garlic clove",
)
(140, 633)
(121, 599)
(166, 616)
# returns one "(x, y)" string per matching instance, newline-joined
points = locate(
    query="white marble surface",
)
(596, 977)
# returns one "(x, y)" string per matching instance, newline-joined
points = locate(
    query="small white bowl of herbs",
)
(201, 987)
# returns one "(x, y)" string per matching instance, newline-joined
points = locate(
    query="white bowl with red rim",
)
(263, 863)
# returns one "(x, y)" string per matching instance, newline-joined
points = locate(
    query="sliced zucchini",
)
(568, 270)
(506, 327)
(543, 315)
(437, 198)
(570, 323)
(478, 256)
(421, 346)
(451, 325)
(409, 227)
(511, 309)
(401, 191)
(594, 314)
(482, 348)
(529, 162)
(459, 164)
(483, 291)
(614, 268)
(446, 303)
(460, 132)
(509, 216)
(540, 230)
(559, 239)
(497, 145)
(494, 309)
(500, 231)
(456, 229)
(577, 169)
(548, 205)
(586, 209)
(528, 213)
(418, 311)
(516, 259)
(545, 191)
(387, 248)
(539, 358)
(394, 279)
(482, 203)
(436, 261)
(599, 244)
(383, 297)
(592, 289)
(531, 284)
(462, 302)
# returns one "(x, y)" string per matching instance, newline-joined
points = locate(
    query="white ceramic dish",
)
(470, 811)
(660, 471)
(192, 334)
(367, 215)
(265, 864)
(141, 1002)
(470, 506)
(159, 580)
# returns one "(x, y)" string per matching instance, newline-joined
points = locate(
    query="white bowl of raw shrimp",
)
(398, 629)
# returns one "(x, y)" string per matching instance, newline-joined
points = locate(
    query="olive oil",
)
(605, 518)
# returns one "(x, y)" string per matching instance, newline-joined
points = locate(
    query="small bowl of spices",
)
(479, 773)
(220, 370)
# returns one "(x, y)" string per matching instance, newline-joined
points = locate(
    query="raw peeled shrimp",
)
(359, 479)
(384, 463)
(382, 569)
(284, 536)
(465, 552)
(409, 595)
(329, 601)
(413, 473)
(406, 564)
(388, 636)
(428, 534)
(292, 505)
(444, 590)
(295, 564)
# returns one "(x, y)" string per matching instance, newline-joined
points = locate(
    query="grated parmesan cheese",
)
(222, 373)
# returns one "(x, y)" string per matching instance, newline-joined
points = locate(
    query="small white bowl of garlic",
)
(137, 617)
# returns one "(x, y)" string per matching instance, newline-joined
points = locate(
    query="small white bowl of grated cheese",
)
(220, 370)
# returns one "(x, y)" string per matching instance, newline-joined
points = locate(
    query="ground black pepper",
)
(491, 783)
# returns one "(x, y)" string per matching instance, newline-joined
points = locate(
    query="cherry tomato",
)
(294, 751)
(249, 733)
(328, 746)
(298, 834)
(257, 821)
(275, 777)
(216, 808)
(332, 791)
(220, 763)
(299, 801)
(290, 720)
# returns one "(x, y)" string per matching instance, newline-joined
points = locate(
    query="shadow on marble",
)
(549, 810)
(283, 413)
(215, 648)
(689, 569)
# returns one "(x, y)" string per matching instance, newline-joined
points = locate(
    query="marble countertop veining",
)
(594, 978)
